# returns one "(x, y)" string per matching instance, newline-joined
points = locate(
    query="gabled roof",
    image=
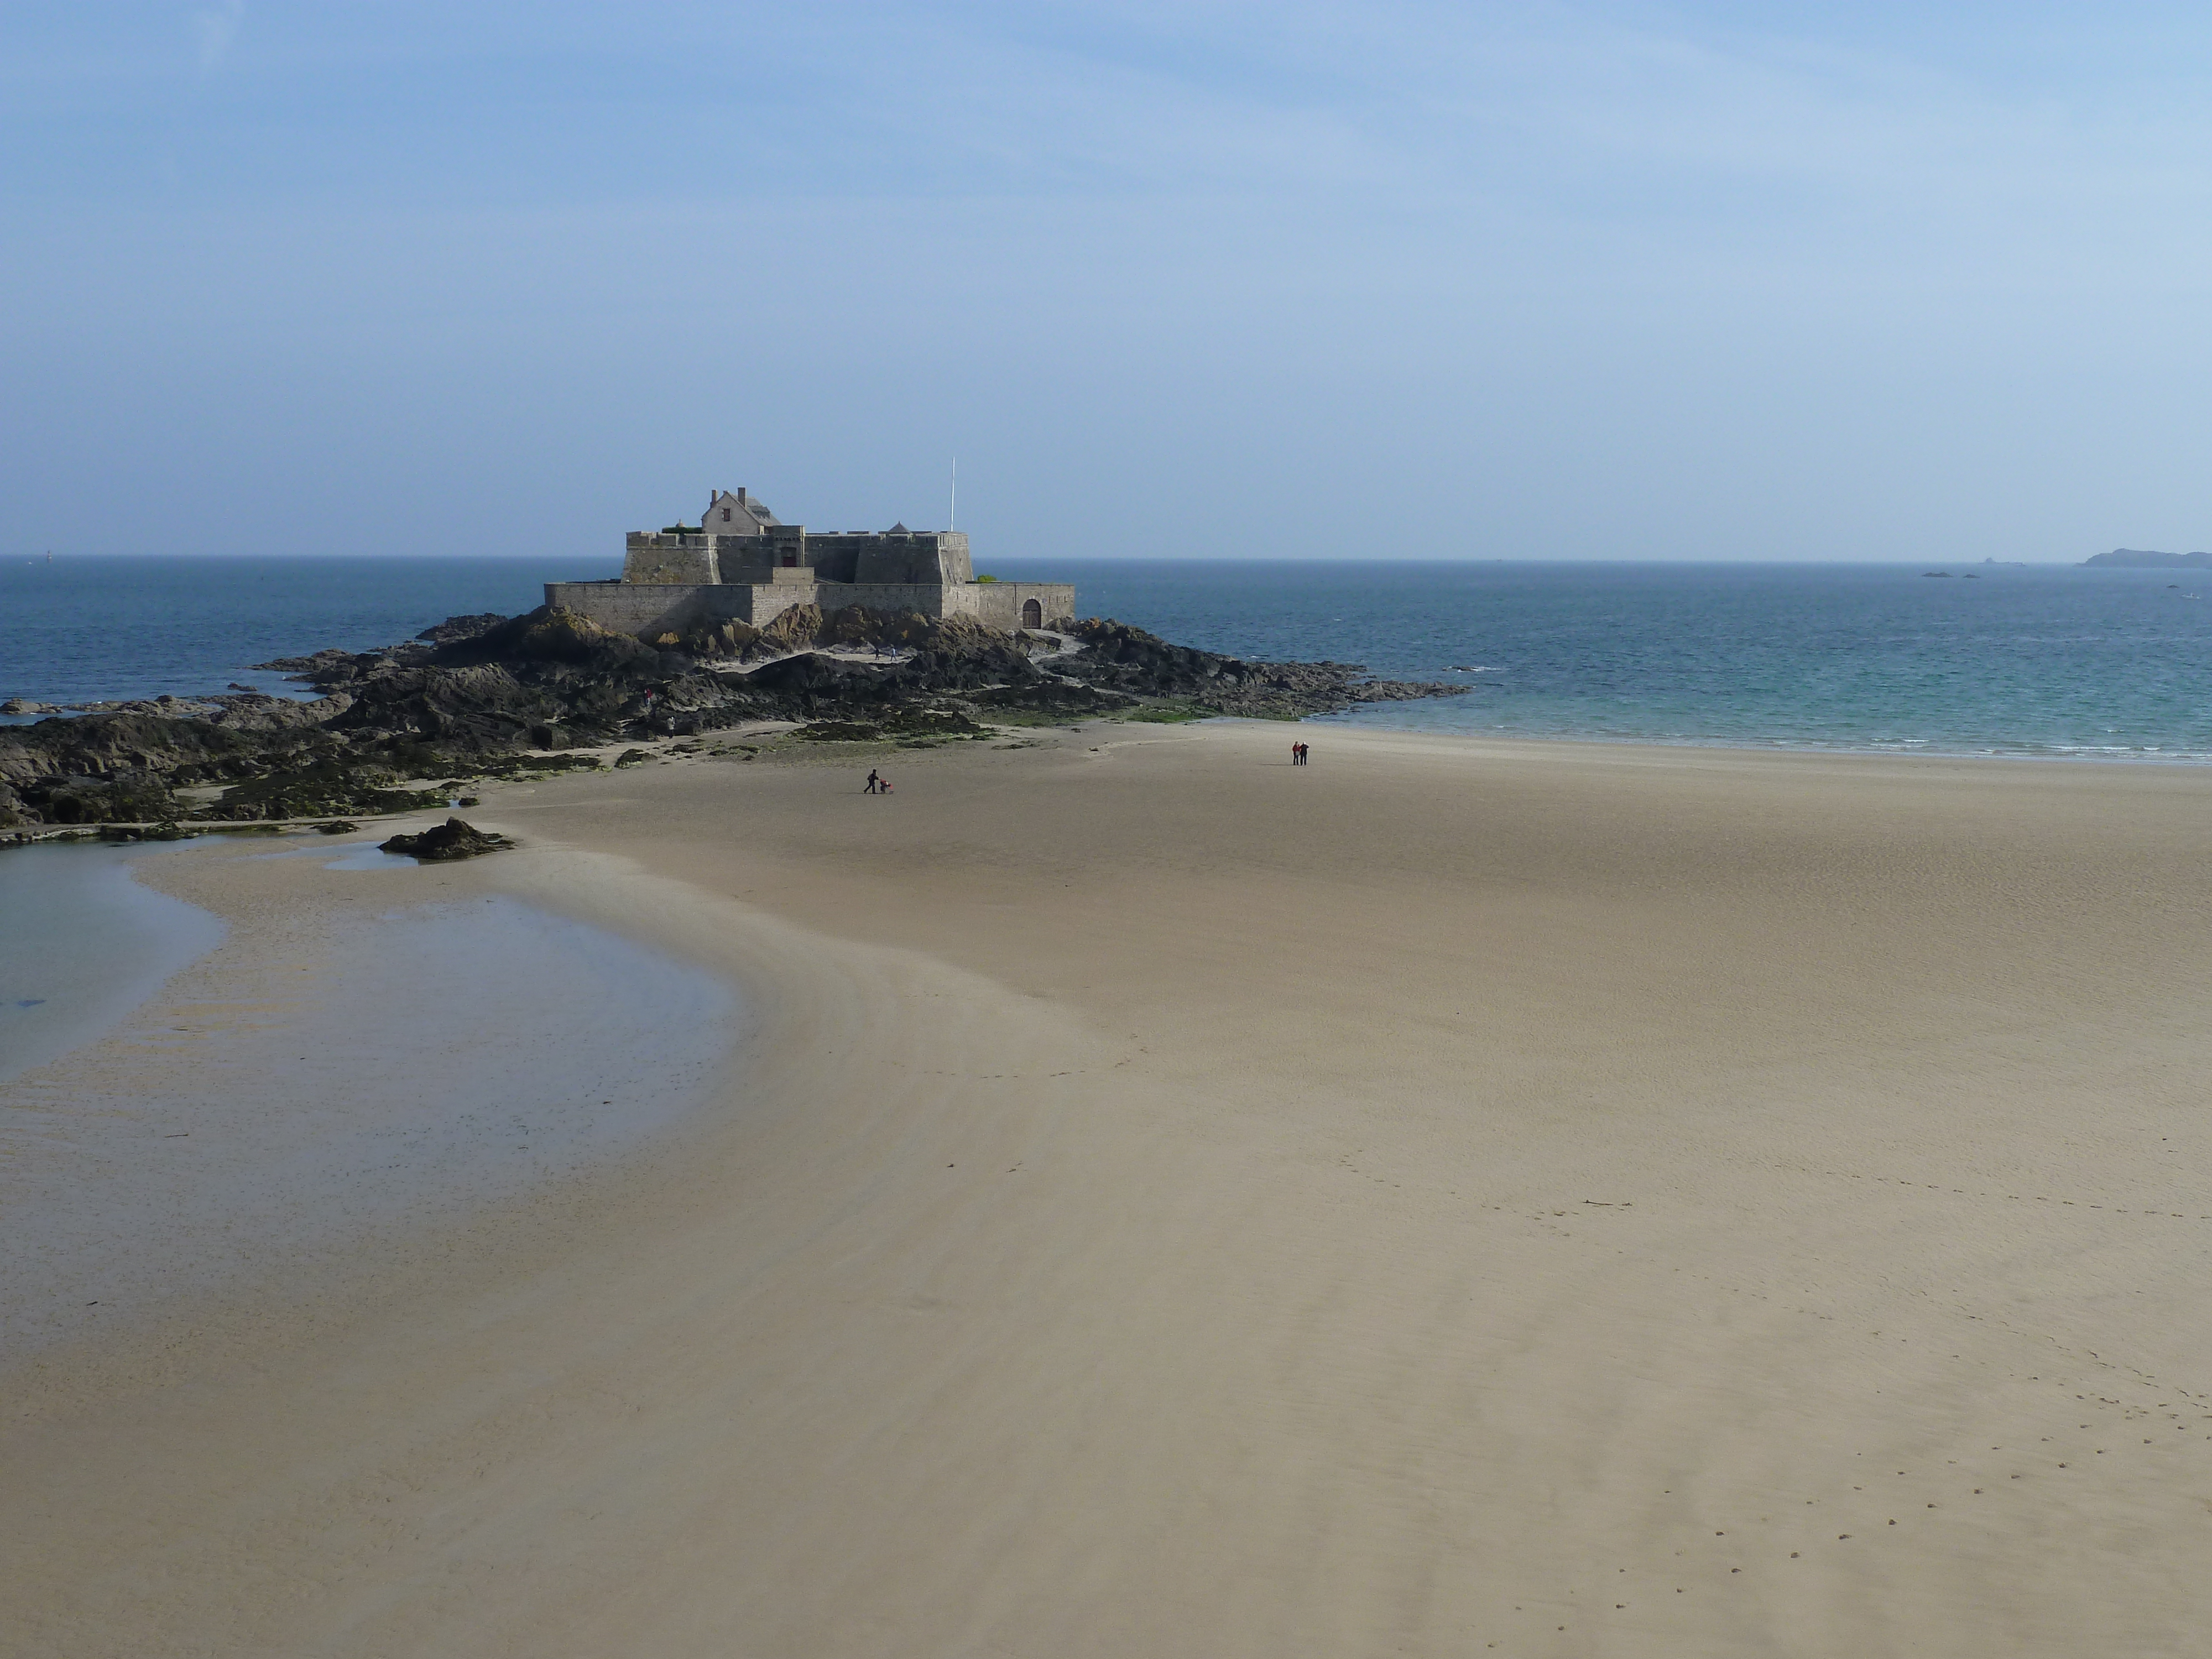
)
(898, 530)
(755, 510)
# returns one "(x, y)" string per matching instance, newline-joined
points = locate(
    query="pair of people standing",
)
(1297, 754)
(877, 783)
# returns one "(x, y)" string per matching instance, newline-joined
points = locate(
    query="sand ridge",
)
(1576, 1199)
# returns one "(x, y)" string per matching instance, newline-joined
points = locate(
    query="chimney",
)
(741, 495)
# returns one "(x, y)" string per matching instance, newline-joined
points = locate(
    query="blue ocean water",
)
(86, 627)
(1991, 660)
(1994, 660)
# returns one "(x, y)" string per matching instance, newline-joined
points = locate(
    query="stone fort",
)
(741, 562)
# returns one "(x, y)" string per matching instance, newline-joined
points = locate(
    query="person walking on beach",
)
(872, 781)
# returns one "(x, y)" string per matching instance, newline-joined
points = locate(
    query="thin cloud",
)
(217, 28)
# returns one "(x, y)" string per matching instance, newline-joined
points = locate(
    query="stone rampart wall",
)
(649, 610)
(670, 559)
(937, 556)
(1000, 605)
(872, 559)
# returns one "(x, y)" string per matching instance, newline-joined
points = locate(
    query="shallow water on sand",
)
(82, 944)
(420, 1060)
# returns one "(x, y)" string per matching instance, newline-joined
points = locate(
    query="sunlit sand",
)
(1449, 1196)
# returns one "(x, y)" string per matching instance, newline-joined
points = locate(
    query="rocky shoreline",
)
(488, 696)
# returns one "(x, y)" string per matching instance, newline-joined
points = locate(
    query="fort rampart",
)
(649, 610)
(740, 563)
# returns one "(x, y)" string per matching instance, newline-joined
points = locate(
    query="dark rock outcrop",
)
(1128, 659)
(454, 839)
(454, 629)
(796, 627)
(479, 693)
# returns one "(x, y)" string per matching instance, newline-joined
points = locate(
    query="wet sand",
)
(363, 1058)
(81, 944)
(1582, 1200)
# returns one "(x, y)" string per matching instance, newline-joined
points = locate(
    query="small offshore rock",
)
(336, 827)
(28, 706)
(454, 839)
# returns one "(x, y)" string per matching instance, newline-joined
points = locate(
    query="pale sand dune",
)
(1177, 1204)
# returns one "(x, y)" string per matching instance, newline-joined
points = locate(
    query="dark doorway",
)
(1032, 614)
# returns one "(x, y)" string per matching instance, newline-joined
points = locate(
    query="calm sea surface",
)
(2007, 660)
(88, 628)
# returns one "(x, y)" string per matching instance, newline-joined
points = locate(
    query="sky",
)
(1602, 281)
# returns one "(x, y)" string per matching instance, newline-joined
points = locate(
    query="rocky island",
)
(487, 695)
(2140, 558)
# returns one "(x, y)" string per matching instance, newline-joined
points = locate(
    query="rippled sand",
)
(1582, 1201)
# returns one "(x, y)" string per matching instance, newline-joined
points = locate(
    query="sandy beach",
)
(1457, 1196)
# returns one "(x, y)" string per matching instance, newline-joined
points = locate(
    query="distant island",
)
(2134, 558)
(885, 636)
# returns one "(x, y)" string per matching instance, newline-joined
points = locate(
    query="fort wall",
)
(871, 558)
(680, 578)
(1004, 605)
(649, 610)
(662, 559)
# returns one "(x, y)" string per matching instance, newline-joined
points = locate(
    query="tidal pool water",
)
(422, 1059)
(82, 944)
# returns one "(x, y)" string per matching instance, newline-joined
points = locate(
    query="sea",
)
(2080, 663)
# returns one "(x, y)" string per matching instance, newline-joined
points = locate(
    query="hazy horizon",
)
(1706, 282)
(614, 557)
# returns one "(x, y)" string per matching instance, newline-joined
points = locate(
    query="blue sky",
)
(1578, 280)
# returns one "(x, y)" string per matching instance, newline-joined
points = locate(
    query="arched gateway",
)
(1032, 614)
